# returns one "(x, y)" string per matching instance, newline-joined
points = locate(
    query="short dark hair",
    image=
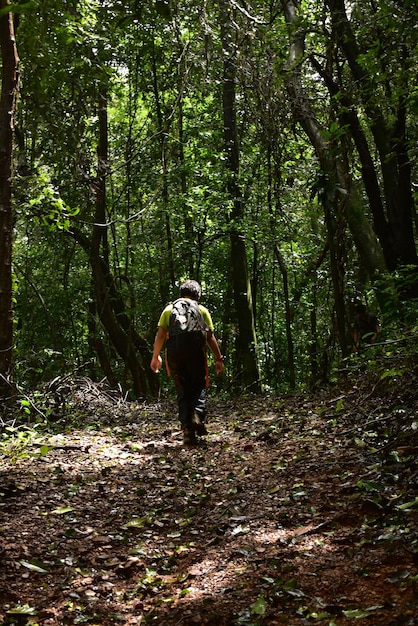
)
(191, 288)
(360, 307)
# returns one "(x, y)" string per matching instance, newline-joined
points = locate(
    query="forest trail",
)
(294, 511)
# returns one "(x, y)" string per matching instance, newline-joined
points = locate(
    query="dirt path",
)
(292, 512)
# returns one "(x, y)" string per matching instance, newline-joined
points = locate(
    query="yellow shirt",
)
(165, 317)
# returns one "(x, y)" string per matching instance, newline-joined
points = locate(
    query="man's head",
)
(190, 289)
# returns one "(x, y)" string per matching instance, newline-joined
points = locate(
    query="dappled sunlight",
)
(126, 521)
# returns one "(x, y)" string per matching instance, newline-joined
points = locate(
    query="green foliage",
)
(168, 215)
(22, 609)
(21, 441)
(46, 202)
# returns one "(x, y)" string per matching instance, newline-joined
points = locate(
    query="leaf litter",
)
(295, 510)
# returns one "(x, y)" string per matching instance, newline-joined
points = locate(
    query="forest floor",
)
(295, 510)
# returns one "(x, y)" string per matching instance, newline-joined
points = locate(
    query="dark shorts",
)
(189, 374)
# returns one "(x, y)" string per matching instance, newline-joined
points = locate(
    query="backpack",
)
(187, 329)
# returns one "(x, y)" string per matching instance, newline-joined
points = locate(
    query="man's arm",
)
(376, 332)
(159, 341)
(356, 337)
(214, 347)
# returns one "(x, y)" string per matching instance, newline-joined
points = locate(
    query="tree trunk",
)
(364, 236)
(371, 248)
(168, 273)
(284, 273)
(391, 145)
(246, 357)
(330, 180)
(110, 306)
(288, 318)
(313, 343)
(9, 90)
(335, 223)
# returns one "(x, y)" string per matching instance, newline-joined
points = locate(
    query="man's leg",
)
(200, 406)
(180, 372)
(199, 414)
(189, 375)
(199, 393)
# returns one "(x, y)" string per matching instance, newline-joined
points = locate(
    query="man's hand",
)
(156, 360)
(156, 363)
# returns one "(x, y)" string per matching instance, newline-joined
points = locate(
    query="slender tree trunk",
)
(313, 343)
(191, 252)
(367, 243)
(285, 279)
(110, 306)
(391, 145)
(334, 220)
(376, 252)
(330, 182)
(169, 273)
(247, 363)
(9, 90)
(288, 318)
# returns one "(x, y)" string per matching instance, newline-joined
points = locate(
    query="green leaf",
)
(408, 505)
(259, 606)
(184, 592)
(20, 609)
(62, 510)
(356, 614)
(18, 8)
(359, 442)
(339, 405)
(368, 485)
(290, 584)
(137, 522)
(45, 449)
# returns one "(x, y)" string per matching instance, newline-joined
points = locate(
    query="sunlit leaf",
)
(296, 593)
(45, 449)
(240, 530)
(24, 609)
(359, 442)
(33, 567)
(62, 510)
(138, 522)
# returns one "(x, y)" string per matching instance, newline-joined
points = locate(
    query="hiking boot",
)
(189, 436)
(198, 425)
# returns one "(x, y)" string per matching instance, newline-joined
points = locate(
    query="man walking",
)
(366, 327)
(186, 327)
